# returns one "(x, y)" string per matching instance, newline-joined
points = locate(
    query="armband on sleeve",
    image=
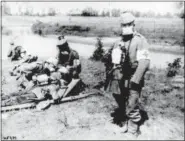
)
(143, 50)
(143, 54)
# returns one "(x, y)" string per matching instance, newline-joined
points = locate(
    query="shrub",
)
(174, 68)
(89, 12)
(55, 28)
(52, 12)
(105, 13)
(99, 51)
(116, 12)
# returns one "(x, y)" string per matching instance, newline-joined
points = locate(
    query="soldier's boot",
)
(133, 128)
(133, 113)
(124, 128)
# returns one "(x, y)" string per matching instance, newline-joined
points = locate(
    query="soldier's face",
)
(127, 29)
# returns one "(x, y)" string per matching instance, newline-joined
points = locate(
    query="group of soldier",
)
(43, 79)
(126, 64)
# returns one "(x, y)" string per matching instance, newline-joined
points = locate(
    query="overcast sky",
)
(64, 7)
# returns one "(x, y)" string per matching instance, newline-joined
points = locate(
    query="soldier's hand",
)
(69, 68)
(63, 70)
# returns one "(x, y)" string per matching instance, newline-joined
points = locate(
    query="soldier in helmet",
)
(128, 61)
(15, 52)
(68, 58)
(18, 53)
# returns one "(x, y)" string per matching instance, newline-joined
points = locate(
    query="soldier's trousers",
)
(128, 102)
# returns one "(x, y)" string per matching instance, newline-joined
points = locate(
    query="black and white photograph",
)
(87, 70)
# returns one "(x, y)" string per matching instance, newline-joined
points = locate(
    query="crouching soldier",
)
(68, 58)
(18, 53)
(15, 52)
(128, 60)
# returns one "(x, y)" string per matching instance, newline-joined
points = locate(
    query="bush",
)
(116, 12)
(52, 12)
(89, 12)
(105, 13)
(99, 51)
(174, 68)
(41, 28)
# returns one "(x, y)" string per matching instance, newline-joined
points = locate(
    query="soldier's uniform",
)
(68, 58)
(29, 59)
(15, 52)
(127, 76)
(31, 69)
(38, 72)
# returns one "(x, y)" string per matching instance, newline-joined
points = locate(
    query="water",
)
(158, 59)
(45, 47)
(161, 60)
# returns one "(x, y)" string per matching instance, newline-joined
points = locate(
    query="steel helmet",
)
(127, 18)
(61, 40)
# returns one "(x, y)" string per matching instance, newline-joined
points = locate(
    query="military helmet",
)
(61, 40)
(127, 18)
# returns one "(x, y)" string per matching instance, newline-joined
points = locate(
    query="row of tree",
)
(89, 11)
(6, 10)
(117, 12)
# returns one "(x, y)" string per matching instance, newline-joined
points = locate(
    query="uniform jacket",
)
(68, 59)
(135, 58)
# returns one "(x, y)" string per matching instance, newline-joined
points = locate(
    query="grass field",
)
(166, 31)
(90, 118)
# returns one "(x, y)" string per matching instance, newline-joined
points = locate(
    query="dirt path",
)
(83, 119)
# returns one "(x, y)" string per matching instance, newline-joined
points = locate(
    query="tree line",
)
(90, 12)
(117, 12)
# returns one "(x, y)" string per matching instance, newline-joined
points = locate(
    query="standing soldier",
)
(68, 58)
(129, 60)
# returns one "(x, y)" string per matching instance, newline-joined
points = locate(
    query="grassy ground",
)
(168, 31)
(90, 118)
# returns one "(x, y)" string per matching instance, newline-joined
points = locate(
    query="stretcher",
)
(42, 104)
